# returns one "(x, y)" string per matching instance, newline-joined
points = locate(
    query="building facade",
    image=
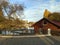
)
(44, 25)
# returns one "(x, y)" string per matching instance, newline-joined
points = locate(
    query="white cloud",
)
(36, 12)
(33, 14)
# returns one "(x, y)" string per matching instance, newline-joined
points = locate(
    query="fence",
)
(18, 32)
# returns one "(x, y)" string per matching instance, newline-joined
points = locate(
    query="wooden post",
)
(49, 31)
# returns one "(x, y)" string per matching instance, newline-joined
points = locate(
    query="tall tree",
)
(2, 18)
(54, 16)
(10, 9)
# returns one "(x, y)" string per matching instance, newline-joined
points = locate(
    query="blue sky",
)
(35, 8)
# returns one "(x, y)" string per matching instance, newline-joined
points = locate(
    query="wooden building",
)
(44, 24)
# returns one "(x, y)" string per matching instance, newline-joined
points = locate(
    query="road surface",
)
(37, 40)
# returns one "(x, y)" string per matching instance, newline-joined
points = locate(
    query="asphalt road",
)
(43, 40)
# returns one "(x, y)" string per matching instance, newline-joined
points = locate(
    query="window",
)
(58, 27)
(45, 22)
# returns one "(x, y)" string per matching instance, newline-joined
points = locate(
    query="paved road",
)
(43, 40)
(55, 40)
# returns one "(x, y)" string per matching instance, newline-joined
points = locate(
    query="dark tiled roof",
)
(55, 23)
